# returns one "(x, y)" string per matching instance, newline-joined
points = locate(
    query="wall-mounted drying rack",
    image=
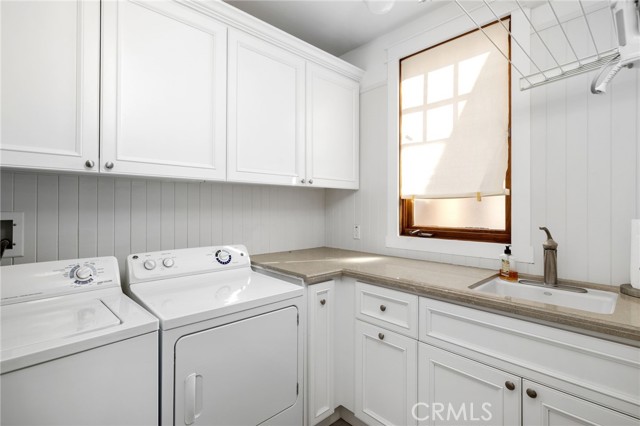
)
(624, 20)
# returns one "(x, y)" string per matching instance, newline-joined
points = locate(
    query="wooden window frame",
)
(407, 226)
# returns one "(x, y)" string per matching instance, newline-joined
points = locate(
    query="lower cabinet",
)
(542, 405)
(386, 376)
(454, 390)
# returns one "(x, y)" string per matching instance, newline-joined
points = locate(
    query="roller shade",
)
(455, 118)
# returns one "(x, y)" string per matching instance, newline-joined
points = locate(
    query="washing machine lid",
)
(190, 299)
(41, 330)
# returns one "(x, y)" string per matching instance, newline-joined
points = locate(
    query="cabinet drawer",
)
(604, 372)
(387, 308)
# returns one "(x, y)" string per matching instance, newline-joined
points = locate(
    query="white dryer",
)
(74, 349)
(231, 339)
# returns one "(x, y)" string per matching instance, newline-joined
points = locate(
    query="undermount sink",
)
(601, 302)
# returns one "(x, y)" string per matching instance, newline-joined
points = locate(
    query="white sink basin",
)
(601, 302)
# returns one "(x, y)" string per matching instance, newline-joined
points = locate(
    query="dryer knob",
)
(149, 265)
(83, 273)
(168, 263)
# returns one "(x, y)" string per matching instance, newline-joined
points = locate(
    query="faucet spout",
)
(550, 259)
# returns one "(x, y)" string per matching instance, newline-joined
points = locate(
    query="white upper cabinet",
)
(163, 91)
(266, 112)
(50, 53)
(332, 128)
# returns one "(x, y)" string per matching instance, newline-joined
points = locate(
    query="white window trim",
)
(520, 144)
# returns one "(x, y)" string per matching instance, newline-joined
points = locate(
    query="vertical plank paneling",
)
(181, 215)
(154, 206)
(122, 220)
(205, 214)
(216, 214)
(227, 214)
(25, 193)
(88, 216)
(193, 206)
(68, 209)
(6, 202)
(106, 220)
(47, 218)
(167, 216)
(138, 216)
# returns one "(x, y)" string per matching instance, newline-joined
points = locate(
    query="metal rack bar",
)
(586, 21)
(539, 36)
(563, 31)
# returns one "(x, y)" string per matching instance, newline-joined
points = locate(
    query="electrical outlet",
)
(11, 228)
(356, 232)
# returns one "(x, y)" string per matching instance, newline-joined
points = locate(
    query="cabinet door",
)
(453, 390)
(543, 406)
(321, 341)
(266, 112)
(386, 373)
(332, 129)
(163, 91)
(50, 54)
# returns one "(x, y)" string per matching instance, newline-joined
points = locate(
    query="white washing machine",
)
(231, 339)
(74, 349)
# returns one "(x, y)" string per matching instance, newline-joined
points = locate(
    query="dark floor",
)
(340, 422)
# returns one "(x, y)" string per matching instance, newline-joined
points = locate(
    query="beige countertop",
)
(451, 283)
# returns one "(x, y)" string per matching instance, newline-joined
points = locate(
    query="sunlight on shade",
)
(469, 71)
(418, 165)
(412, 127)
(439, 123)
(461, 106)
(440, 84)
(413, 92)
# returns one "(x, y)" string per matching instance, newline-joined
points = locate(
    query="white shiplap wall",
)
(69, 216)
(584, 155)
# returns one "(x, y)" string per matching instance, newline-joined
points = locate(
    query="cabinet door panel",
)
(266, 112)
(332, 128)
(50, 56)
(321, 339)
(554, 408)
(467, 391)
(164, 94)
(385, 376)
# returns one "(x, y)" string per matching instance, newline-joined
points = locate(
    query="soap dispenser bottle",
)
(508, 266)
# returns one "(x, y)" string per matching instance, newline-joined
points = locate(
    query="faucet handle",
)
(549, 244)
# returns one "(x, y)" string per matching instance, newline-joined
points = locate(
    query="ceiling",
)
(335, 26)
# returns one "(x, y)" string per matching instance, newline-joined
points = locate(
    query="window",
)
(455, 176)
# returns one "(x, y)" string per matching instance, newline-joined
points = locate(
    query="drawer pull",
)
(323, 301)
(380, 336)
(383, 308)
(509, 385)
(532, 393)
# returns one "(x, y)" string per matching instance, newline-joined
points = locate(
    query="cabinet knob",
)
(323, 301)
(380, 336)
(89, 164)
(310, 181)
(108, 165)
(531, 393)
(509, 385)
(302, 181)
(383, 308)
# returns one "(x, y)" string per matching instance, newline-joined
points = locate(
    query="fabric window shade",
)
(455, 118)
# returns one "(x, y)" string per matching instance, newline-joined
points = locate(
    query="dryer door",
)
(241, 373)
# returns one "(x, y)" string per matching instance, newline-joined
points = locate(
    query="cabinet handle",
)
(89, 164)
(509, 385)
(310, 181)
(108, 165)
(380, 336)
(302, 181)
(383, 308)
(532, 393)
(323, 301)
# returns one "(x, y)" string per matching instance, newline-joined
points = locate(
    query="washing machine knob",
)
(83, 273)
(168, 263)
(149, 265)
(223, 257)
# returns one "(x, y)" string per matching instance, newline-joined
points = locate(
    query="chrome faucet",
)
(550, 259)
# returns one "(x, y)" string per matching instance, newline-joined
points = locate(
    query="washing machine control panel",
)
(49, 279)
(142, 267)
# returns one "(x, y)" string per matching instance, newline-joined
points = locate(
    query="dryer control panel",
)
(143, 267)
(32, 281)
